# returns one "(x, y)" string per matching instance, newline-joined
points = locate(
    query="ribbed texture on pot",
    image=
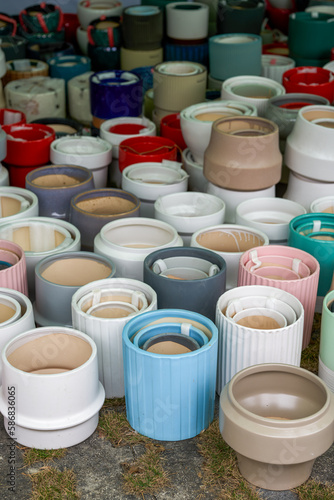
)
(326, 374)
(14, 277)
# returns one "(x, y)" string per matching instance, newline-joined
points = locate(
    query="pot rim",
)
(107, 193)
(48, 168)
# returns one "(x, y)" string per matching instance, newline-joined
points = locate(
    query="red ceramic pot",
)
(28, 145)
(309, 80)
(71, 23)
(278, 18)
(170, 127)
(146, 149)
(11, 117)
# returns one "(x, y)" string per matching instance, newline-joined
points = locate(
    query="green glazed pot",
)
(41, 18)
(105, 32)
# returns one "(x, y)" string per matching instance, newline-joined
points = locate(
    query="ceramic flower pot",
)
(256, 265)
(243, 154)
(154, 410)
(13, 266)
(78, 89)
(142, 28)
(325, 204)
(88, 12)
(149, 181)
(91, 210)
(58, 277)
(189, 278)
(14, 47)
(326, 366)
(105, 32)
(187, 22)
(275, 66)
(128, 241)
(55, 372)
(17, 203)
(11, 117)
(61, 126)
(170, 127)
(42, 18)
(303, 190)
(254, 341)
(189, 212)
(104, 59)
(82, 40)
(309, 79)
(234, 17)
(55, 185)
(196, 181)
(101, 309)
(68, 67)
(230, 241)
(147, 149)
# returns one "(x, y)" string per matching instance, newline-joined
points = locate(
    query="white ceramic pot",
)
(270, 215)
(82, 40)
(90, 152)
(54, 375)
(197, 181)
(233, 198)
(230, 241)
(78, 89)
(324, 204)
(94, 9)
(196, 122)
(273, 66)
(128, 241)
(187, 22)
(17, 203)
(189, 212)
(254, 90)
(104, 322)
(148, 181)
(119, 129)
(304, 190)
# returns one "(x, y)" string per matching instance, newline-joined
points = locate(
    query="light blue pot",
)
(165, 329)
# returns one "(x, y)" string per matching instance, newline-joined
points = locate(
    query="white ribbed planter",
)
(148, 181)
(197, 181)
(17, 203)
(273, 66)
(230, 241)
(240, 347)
(196, 122)
(117, 130)
(324, 204)
(116, 301)
(54, 373)
(189, 212)
(304, 190)
(128, 241)
(90, 152)
(270, 215)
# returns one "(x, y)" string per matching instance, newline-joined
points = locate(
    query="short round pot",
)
(326, 365)
(304, 190)
(128, 241)
(274, 66)
(91, 210)
(325, 205)
(105, 32)
(62, 126)
(188, 278)
(41, 18)
(55, 371)
(68, 67)
(13, 266)
(95, 9)
(146, 149)
(17, 203)
(244, 17)
(192, 380)
(170, 127)
(297, 413)
(310, 79)
(56, 185)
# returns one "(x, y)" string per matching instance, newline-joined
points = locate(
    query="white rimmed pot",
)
(13, 266)
(89, 11)
(324, 204)
(128, 241)
(17, 203)
(117, 130)
(197, 120)
(278, 418)
(90, 152)
(115, 301)
(254, 90)
(40, 237)
(233, 198)
(58, 277)
(240, 346)
(148, 181)
(54, 373)
(189, 212)
(197, 181)
(270, 215)
(230, 241)
(183, 407)
(273, 66)
(304, 190)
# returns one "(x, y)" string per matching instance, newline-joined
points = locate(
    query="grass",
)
(313, 490)
(115, 403)
(310, 355)
(51, 484)
(114, 426)
(33, 455)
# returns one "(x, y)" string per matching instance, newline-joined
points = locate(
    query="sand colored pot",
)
(58, 277)
(116, 301)
(304, 287)
(230, 241)
(197, 181)
(243, 154)
(128, 241)
(55, 374)
(17, 203)
(184, 407)
(278, 418)
(241, 345)
(13, 266)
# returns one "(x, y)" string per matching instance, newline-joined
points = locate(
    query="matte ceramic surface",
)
(197, 181)
(62, 126)
(97, 8)
(304, 190)
(325, 204)
(13, 266)
(326, 365)
(17, 203)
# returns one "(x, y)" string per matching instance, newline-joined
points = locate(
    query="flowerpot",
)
(88, 12)
(105, 32)
(189, 212)
(326, 366)
(19, 69)
(270, 215)
(14, 47)
(278, 418)
(197, 120)
(116, 300)
(68, 67)
(142, 27)
(103, 59)
(147, 149)
(42, 18)
(254, 90)
(117, 130)
(189, 278)
(90, 152)
(61, 126)
(304, 287)
(154, 410)
(170, 127)
(131, 59)
(82, 40)
(233, 198)
(49, 50)
(55, 185)
(71, 24)
(11, 117)
(230, 242)
(188, 50)
(55, 372)
(196, 181)
(91, 210)
(58, 277)
(127, 242)
(303, 190)
(325, 205)
(187, 22)
(243, 154)
(311, 35)
(170, 338)
(78, 89)
(310, 80)
(13, 266)
(274, 66)
(17, 203)
(150, 180)
(39, 237)
(236, 17)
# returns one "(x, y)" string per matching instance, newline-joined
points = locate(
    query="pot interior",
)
(139, 236)
(110, 299)
(36, 238)
(318, 114)
(48, 354)
(229, 240)
(10, 206)
(106, 205)
(7, 311)
(62, 127)
(55, 180)
(254, 91)
(246, 127)
(76, 271)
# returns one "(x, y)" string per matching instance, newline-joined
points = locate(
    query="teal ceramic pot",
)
(240, 16)
(104, 58)
(311, 35)
(105, 32)
(314, 233)
(68, 66)
(14, 47)
(42, 18)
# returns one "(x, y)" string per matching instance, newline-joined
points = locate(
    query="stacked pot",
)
(42, 24)
(104, 42)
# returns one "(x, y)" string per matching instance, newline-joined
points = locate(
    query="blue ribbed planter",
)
(196, 53)
(170, 397)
